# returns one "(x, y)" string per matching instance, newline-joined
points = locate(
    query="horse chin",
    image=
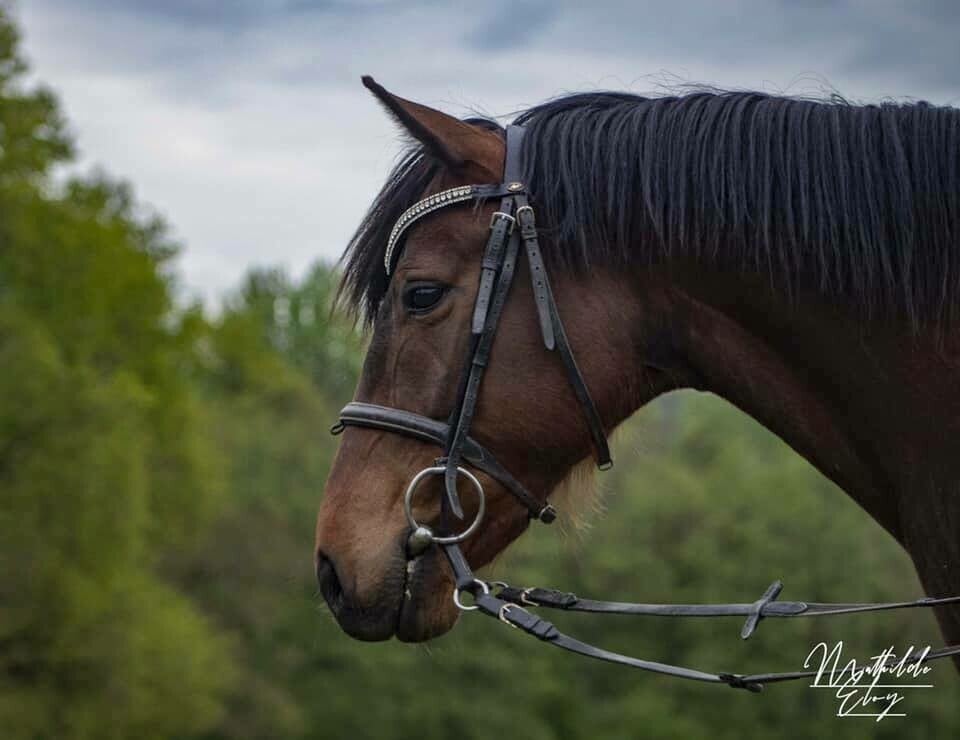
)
(416, 626)
(427, 610)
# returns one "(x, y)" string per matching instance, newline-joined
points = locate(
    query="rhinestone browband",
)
(418, 210)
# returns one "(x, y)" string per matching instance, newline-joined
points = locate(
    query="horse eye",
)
(421, 298)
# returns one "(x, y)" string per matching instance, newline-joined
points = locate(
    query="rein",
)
(513, 225)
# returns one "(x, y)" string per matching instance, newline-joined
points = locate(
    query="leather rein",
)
(511, 226)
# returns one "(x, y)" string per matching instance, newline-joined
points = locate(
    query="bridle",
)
(511, 226)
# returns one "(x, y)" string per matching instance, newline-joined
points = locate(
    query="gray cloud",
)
(234, 15)
(918, 42)
(246, 125)
(915, 43)
(512, 25)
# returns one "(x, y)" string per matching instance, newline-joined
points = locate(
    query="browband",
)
(435, 202)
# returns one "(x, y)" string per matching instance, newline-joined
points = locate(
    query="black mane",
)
(859, 202)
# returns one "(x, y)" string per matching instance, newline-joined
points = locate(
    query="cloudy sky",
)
(244, 123)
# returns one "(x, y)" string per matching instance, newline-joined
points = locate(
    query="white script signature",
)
(872, 689)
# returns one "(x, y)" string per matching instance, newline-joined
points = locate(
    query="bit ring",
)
(439, 470)
(457, 591)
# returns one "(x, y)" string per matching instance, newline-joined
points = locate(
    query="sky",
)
(245, 124)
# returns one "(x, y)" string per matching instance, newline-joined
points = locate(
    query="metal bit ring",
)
(439, 470)
(457, 591)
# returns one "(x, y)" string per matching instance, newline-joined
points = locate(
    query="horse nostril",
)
(329, 582)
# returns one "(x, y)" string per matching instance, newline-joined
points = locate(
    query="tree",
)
(102, 468)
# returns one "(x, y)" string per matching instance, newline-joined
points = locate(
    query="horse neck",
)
(874, 408)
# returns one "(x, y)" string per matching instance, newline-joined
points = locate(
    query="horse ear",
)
(455, 143)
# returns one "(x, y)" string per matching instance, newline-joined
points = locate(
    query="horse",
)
(799, 258)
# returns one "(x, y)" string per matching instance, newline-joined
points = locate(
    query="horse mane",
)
(858, 202)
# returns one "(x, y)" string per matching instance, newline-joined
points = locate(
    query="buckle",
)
(527, 221)
(505, 216)
(524, 596)
(502, 614)
(547, 514)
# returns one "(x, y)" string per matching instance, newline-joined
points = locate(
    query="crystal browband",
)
(434, 203)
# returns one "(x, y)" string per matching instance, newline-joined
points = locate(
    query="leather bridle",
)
(511, 226)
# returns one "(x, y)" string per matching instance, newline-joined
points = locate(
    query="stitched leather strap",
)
(765, 606)
(513, 159)
(501, 225)
(538, 271)
(478, 365)
(546, 631)
(509, 611)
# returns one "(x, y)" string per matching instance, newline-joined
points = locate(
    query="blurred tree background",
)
(160, 471)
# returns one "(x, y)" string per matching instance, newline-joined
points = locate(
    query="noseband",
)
(511, 226)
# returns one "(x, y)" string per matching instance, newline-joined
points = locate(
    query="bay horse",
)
(798, 258)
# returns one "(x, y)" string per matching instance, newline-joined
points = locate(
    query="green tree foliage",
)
(253, 571)
(102, 467)
(297, 321)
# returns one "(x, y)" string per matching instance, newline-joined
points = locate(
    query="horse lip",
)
(420, 618)
(407, 617)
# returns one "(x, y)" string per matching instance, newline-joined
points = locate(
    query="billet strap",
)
(425, 429)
